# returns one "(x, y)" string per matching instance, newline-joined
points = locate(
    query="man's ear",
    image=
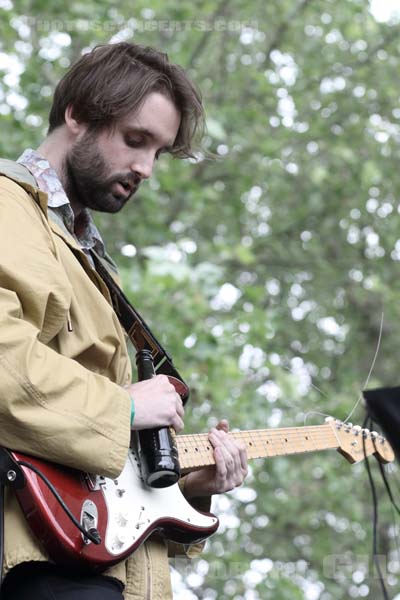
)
(74, 127)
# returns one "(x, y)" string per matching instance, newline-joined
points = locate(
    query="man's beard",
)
(87, 179)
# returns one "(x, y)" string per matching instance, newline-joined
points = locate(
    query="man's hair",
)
(114, 79)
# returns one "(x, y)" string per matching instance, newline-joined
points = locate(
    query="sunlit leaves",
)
(266, 266)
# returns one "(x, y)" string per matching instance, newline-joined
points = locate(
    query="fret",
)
(195, 450)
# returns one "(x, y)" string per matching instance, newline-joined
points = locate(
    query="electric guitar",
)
(124, 512)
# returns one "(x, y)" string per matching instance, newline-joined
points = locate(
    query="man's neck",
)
(54, 149)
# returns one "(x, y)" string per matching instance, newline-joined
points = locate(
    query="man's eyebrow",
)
(142, 130)
(148, 133)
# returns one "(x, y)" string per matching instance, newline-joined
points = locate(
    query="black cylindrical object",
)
(159, 461)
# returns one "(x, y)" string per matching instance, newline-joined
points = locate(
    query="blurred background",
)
(269, 265)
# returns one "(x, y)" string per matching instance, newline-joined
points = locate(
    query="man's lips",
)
(123, 189)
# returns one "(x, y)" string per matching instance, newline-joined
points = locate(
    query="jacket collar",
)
(46, 180)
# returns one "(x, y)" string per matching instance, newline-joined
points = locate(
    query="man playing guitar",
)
(67, 394)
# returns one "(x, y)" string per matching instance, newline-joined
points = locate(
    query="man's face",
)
(104, 169)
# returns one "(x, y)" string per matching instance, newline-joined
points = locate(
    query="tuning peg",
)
(365, 432)
(374, 435)
(329, 419)
(356, 429)
(348, 427)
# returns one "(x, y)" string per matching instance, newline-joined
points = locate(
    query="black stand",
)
(384, 407)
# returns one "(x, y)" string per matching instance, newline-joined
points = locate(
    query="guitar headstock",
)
(356, 443)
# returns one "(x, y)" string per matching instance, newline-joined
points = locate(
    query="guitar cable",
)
(395, 506)
(374, 518)
(386, 482)
(92, 534)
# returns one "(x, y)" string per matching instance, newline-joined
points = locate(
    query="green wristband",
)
(132, 411)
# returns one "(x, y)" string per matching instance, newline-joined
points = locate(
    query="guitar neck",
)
(195, 451)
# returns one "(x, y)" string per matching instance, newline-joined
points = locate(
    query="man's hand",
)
(156, 404)
(230, 467)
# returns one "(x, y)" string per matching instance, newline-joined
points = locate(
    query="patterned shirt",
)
(49, 182)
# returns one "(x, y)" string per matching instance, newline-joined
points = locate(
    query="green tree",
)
(270, 271)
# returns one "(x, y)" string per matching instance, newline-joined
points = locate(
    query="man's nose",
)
(143, 165)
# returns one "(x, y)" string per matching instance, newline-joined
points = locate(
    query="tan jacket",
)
(60, 392)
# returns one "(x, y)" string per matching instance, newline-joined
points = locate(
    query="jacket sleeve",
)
(51, 406)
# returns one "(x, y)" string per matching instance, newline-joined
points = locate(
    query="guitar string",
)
(291, 441)
(297, 441)
(292, 435)
(257, 436)
(292, 432)
(311, 412)
(360, 396)
(370, 370)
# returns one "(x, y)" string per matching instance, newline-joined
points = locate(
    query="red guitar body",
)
(124, 511)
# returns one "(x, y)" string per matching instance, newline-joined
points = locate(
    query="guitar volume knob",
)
(119, 540)
(122, 518)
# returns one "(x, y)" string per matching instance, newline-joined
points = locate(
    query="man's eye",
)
(133, 143)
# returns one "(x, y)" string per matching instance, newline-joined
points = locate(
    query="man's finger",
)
(223, 425)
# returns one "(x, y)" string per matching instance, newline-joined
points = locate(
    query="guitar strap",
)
(138, 332)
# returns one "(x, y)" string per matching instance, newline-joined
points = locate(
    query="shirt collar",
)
(49, 182)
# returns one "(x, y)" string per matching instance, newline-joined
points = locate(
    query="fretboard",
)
(195, 451)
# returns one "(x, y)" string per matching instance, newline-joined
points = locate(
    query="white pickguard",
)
(133, 507)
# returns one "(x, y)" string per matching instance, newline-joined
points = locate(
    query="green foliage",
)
(267, 270)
